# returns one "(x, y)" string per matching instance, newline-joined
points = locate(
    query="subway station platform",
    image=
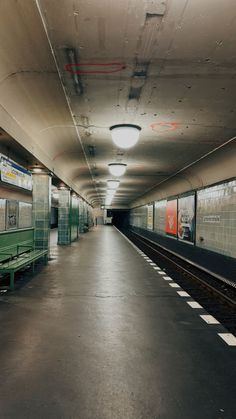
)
(100, 334)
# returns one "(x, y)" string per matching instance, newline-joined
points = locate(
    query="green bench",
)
(17, 250)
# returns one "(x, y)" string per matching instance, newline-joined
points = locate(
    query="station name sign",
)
(14, 174)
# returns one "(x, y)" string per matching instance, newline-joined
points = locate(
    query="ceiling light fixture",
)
(113, 184)
(110, 196)
(108, 201)
(37, 169)
(125, 135)
(117, 169)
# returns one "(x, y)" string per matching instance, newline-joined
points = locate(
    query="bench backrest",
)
(15, 242)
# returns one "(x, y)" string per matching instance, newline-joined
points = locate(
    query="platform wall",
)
(216, 218)
(205, 218)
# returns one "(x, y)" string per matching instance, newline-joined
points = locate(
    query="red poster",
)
(171, 217)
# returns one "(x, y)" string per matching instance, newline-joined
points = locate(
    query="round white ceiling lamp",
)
(113, 184)
(125, 135)
(117, 169)
(111, 192)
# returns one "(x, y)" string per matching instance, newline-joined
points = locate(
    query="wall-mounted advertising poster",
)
(186, 218)
(12, 215)
(2, 214)
(171, 217)
(25, 215)
(150, 217)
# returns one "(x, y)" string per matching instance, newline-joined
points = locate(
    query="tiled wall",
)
(81, 216)
(160, 217)
(74, 218)
(138, 217)
(63, 217)
(90, 217)
(216, 218)
(42, 209)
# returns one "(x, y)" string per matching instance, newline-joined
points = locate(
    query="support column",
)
(74, 218)
(64, 231)
(42, 209)
(81, 216)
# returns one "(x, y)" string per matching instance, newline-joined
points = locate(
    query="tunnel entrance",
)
(120, 218)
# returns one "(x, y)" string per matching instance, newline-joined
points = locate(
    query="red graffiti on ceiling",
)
(105, 68)
(165, 126)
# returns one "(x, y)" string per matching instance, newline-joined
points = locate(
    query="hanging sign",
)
(14, 174)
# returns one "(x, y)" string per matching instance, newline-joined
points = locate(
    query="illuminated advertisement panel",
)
(12, 215)
(171, 217)
(150, 217)
(186, 218)
(2, 214)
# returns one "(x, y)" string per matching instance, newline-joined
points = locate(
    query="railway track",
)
(215, 293)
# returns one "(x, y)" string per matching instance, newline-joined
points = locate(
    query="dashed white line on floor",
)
(152, 264)
(157, 268)
(209, 319)
(183, 294)
(194, 304)
(228, 338)
(162, 273)
(167, 278)
(174, 285)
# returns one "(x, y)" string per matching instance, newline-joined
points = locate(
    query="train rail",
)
(214, 292)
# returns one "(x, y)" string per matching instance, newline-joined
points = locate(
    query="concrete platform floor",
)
(99, 334)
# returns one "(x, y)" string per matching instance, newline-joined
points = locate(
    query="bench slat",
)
(17, 251)
(22, 260)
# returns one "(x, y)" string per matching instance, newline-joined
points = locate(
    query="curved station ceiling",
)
(71, 69)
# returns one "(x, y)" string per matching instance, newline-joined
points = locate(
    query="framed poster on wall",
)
(2, 214)
(171, 217)
(25, 215)
(150, 217)
(186, 218)
(12, 215)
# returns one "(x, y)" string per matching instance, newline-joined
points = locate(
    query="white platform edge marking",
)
(183, 294)
(157, 268)
(167, 278)
(228, 338)
(194, 304)
(174, 285)
(209, 319)
(162, 273)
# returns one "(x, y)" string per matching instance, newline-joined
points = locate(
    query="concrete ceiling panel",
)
(172, 71)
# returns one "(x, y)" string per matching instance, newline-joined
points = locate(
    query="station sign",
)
(14, 174)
